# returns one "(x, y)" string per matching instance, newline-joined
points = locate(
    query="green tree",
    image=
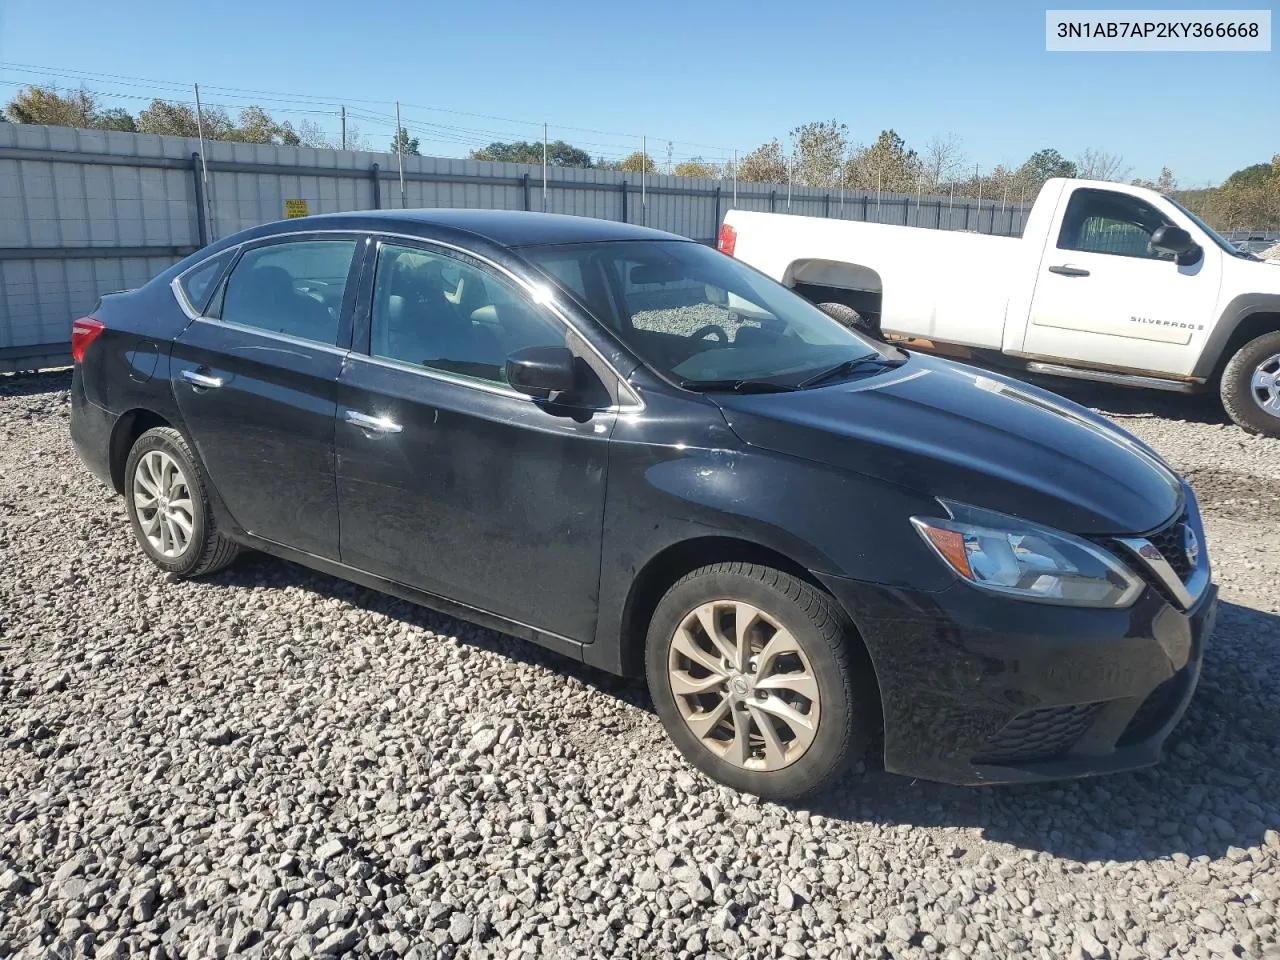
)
(637, 162)
(559, 153)
(176, 119)
(1045, 164)
(403, 143)
(116, 118)
(888, 164)
(697, 167)
(256, 126)
(765, 164)
(818, 152)
(1255, 175)
(37, 104)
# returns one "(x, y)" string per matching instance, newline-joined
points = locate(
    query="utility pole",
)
(735, 177)
(400, 152)
(344, 126)
(544, 167)
(204, 165)
(644, 199)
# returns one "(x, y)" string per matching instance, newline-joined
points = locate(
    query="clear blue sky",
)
(710, 75)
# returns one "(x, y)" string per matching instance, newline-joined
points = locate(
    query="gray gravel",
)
(270, 762)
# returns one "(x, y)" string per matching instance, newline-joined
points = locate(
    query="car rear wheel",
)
(168, 508)
(760, 679)
(1251, 385)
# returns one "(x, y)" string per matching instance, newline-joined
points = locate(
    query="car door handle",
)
(371, 424)
(1068, 271)
(201, 381)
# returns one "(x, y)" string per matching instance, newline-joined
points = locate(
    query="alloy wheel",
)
(163, 502)
(1265, 384)
(744, 685)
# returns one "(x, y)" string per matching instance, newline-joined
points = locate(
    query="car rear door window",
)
(452, 315)
(295, 288)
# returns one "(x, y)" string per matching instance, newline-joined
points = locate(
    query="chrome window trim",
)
(176, 283)
(276, 335)
(637, 404)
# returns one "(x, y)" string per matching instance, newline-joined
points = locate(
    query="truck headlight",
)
(1015, 557)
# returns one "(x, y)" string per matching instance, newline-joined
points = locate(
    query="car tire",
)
(168, 506)
(823, 672)
(1250, 386)
(850, 317)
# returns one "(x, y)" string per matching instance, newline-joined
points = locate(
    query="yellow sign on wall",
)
(295, 208)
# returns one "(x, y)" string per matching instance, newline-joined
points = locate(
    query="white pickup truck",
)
(1107, 282)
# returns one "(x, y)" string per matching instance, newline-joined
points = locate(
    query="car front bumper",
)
(980, 689)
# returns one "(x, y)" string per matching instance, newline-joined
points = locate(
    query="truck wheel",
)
(1251, 385)
(760, 680)
(850, 317)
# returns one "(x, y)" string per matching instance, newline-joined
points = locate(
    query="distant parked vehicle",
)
(1108, 282)
(645, 455)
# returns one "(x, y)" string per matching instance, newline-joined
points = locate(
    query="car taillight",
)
(83, 332)
(728, 239)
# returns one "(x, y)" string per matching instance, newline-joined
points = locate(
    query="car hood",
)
(947, 430)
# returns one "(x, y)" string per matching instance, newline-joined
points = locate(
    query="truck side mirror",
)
(1177, 241)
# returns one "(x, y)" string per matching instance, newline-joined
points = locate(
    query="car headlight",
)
(1008, 555)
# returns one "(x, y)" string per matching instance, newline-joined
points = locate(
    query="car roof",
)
(507, 228)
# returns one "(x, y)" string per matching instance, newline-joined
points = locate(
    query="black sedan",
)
(641, 453)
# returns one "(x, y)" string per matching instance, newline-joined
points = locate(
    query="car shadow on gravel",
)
(259, 570)
(1217, 787)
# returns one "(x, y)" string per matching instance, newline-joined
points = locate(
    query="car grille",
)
(1171, 542)
(1043, 734)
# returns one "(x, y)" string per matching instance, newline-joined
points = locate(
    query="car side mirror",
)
(1177, 241)
(542, 371)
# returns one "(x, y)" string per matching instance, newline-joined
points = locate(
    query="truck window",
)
(1101, 221)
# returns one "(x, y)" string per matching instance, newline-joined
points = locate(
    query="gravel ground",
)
(270, 762)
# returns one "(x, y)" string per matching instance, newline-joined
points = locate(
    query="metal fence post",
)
(377, 190)
(715, 226)
(826, 205)
(865, 200)
(623, 187)
(773, 199)
(202, 228)
(526, 192)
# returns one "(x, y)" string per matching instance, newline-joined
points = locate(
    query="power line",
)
(275, 96)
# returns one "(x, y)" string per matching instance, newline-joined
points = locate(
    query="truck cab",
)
(1108, 282)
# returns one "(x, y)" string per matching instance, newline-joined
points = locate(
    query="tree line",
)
(819, 154)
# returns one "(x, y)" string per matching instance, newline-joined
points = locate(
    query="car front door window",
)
(448, 314)
(1102, 221)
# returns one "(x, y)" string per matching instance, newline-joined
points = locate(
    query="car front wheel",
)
(1251, 385)
(168, 508)
(760, 680)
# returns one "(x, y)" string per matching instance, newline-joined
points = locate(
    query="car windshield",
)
(705, 321)
(1221, 241)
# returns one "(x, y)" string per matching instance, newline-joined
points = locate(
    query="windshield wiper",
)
(846, 367)
(737, 386)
